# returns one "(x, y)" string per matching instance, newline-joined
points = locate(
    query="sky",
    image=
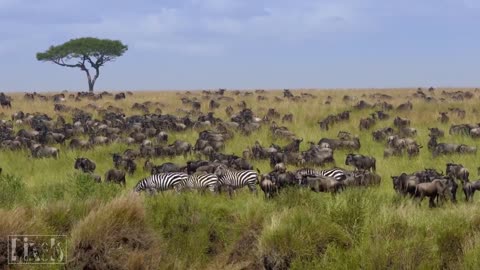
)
(247, 44)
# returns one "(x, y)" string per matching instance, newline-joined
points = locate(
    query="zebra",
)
(161, 182)
(335, 173)
(237, 179)
(202, 182)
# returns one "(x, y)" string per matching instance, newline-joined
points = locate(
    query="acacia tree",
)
(77, 53)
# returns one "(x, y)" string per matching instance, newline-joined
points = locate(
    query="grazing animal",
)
(167, 167)
(469, 189)
(457, 171)
(268, 187)
(119, 96)
(436, 132)
(361, 162)
(5, 103)
(233, 180)
(443, 118)
(335, 173)
(324, 184)
(401, 122)
(161, 182)
(115, 176)
(84, 164)
(200, 181)
(436, 188)
(363, 178)
(41, 151)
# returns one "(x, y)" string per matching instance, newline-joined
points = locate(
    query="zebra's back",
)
(161, 182)
(203, 181)
(337, 174)
(239, 179)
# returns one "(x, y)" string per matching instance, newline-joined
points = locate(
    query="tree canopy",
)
(76, 53)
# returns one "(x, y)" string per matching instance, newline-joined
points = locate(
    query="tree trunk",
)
(90, 85)
(90, 82)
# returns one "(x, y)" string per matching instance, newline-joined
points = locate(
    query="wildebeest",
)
(42, 151)
(324, 184)
(436, 132)
(362, 178)
(120, 96)
(434, 189)
(6, 104)
(126, 163)
(361, 162)
(287, 118)
(382, 134)
(469, 189)
(366, 123)
(165, 168)
(457, 171)
(443, 118)
(401, 122)
(84, 164)
(405, 184)
(268, 187)
(405, 106)
(115, 176)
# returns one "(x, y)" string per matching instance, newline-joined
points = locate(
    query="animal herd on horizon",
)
(209, 168)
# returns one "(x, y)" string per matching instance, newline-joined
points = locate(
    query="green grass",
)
(370, 228)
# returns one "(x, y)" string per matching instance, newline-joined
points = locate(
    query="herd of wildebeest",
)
(147, 135)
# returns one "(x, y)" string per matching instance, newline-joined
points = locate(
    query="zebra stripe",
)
(237, 179)
(161, 182)
(337, 174)
(202, 181)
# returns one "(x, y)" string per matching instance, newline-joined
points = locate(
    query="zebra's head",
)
(140, 186)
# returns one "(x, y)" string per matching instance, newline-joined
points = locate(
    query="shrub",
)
(17, 221)
(114, 236)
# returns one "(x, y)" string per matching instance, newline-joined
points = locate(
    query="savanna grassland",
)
(108, 227)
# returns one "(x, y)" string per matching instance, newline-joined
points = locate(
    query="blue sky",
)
(236, 44)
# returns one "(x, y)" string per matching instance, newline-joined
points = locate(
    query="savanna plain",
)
(109, 226)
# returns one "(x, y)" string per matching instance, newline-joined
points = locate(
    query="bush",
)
(17, 221)
(114, 236)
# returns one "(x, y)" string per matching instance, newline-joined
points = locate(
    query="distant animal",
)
(119, 96)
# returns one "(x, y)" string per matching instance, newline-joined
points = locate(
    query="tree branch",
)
(63, 64)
